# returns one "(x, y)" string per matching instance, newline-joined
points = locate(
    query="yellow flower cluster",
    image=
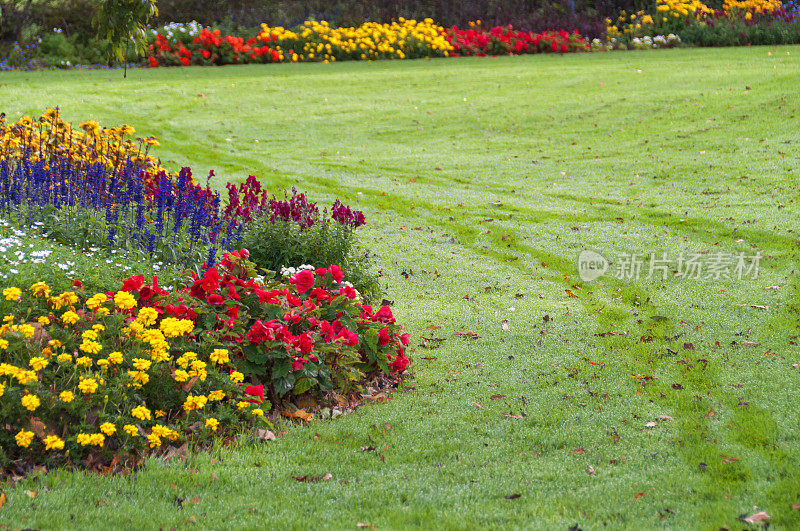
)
(317, 41)
(761, 7)
(85, 370)
(628, 24)
(50, 136)
(683, 8)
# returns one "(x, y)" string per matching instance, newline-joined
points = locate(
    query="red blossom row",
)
(504, 40)
(211, 48)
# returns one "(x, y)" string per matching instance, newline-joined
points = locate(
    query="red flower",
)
(133, 283)
(383, 336)
(153, 62)
(306, 344)
(215, 299)
(400, 362)
(256, 391)
(77, 284)
(210, 280)
(336, 273)
(305, 281)
(185, 61)
(297, 364)
(384, 315)
(206, 54)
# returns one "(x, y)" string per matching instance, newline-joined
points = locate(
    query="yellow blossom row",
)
(317, 41)
(50, 137)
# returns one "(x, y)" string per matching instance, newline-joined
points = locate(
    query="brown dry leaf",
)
(433, 327)
(38, 427)
(265, 435)
(468, 333)
(758, 518)
(311, 479)
(172, 452)
(497, 397)
(650, 424)
(750, 344)
(572, 295)
(299, 414)
(772, 287)
(759, 306)
(368, 526)
(579, 451)
(195, 499)
(665, 417)
(639, 495)
(477, 404)
(188, 385)
(31, 493)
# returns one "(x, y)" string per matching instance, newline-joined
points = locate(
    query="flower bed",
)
(123, 373)
(506, 41)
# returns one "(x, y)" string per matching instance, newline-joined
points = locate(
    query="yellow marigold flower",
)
(8, 319)
(115, 358)
(89, 335)
(53, 442)
(103, 311)
(131, 430)
(147, 316)
(154, 440)
(64, 358)
(30, 402)
(43, 320)
(38, 363)
(161, 431)
(95, 301)
(257, 412)
(181, 376)
(141, 413)
(84, 361)
(212, 423)
(216, 395)
(194, 402)
(40, 289)
(24, 438)
(172, 327)
(87, 385)
(3, 344)
(70, 318)
(108, 428)
(25, 377)
(242, 404)
(12, 294)
(104, 363)
(160, 413)
(2, 389)
(91, 347)
(54, 343)
(219, 355)
(141, 364)
(98, 328)
(237, 377)
(66, 396)
(26, 330)
(139, 377)
(124, 300)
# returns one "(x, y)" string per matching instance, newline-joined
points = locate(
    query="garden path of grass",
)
(482, 179)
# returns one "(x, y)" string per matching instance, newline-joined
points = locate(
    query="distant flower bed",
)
(319, 42)
(739, 22)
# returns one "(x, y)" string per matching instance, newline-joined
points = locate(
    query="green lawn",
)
(482, 179)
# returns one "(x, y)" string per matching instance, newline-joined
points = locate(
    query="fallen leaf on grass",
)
(759, 306)
(265, 435)
(299, 414)
(579, 451)
(795, 506)
(639, 495)
(758, 518)
(513, 496)
(312, 479)
(468, 333)
(368, 526)
(572, 295)
(195, 499)
(477, 404)
(367, 448)
(650, 424)
(590, 470)
(773, 287)
(497, 397)
(505, 326)
(665, 417)
(750, 344)
(510, 416)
